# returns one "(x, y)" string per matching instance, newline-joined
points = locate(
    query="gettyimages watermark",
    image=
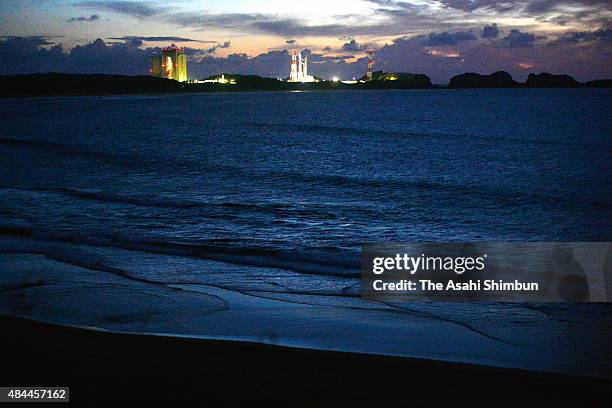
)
(503, 272)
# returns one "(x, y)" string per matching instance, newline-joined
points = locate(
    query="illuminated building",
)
(218, 80)
(171, 64)
(299, 69)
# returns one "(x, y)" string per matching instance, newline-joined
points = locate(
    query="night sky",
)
(438, 38)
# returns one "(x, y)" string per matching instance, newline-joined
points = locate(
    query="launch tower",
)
(370, 63)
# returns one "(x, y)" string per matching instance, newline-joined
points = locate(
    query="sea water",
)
(260, 201)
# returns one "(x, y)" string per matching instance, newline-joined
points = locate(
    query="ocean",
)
(241, 215)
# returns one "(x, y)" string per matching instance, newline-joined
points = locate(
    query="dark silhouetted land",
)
(499, 79)
(502, 79)
(68, 84)
(546, 80)
(72, 84)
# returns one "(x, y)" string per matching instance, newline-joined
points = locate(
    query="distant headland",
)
(50, 84)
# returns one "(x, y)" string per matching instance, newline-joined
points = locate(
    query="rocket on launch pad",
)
(299, 69)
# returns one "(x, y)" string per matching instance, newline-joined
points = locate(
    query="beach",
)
(103, 367)
(236, 220)
(68, 284)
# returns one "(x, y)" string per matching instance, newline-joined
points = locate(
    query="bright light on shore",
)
(335, 79)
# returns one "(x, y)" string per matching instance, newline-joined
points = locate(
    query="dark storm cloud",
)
(351, 46)
(30, 54)
(490, 31)
(516, 38)
(446, 38)
(92, 18)
(121, 58)
(161, 39)
(131, 8)
(33, 54)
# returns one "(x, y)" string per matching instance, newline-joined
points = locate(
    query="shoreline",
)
(60, 84)
(110, 366)
(48, 286)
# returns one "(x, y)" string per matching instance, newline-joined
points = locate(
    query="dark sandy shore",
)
(103, 367)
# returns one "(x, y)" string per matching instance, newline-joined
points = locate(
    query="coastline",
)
(111, 366)
(61, 84)
(42, 283)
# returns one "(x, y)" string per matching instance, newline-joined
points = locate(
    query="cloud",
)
(214, 49)
(272, 64)
(533, 8)
(90, 19)
(446, 38)
(161, 39)
(414, 54)
(539, 6)
(490, 31)
(352, 46)
(290, 41)
(137, 9)
(546, 6)
(386, 18)
(471, 5)
(393, 21)
(322, 58)
(30, 54)
(583, 54)
(584, 37)
(516, 38)
(257, 23)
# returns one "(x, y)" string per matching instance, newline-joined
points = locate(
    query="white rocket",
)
(299, 69)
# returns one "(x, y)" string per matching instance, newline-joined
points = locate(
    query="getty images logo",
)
(414, 264)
